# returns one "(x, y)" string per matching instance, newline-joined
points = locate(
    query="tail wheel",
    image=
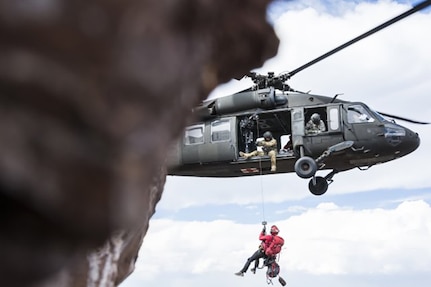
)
(305, 167)
(318, 185)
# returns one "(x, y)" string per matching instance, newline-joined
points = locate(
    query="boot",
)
(253, 270)
(273, 168)
(244, 155)
(239, 273)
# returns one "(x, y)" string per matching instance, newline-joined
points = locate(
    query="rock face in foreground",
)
(92, 92)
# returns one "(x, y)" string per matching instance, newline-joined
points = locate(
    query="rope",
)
(261, 178)
(262, 198)
(269, 281)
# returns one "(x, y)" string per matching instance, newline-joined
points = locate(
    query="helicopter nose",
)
(403, 140)
(410, 143)
(413, 140)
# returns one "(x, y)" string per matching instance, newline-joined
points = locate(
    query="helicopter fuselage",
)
(229, 125)
(349, 134)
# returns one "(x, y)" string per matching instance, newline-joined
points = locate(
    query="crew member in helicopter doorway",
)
(269, 147)
(315, 125)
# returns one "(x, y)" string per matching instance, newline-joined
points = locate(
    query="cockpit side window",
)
(358, 114)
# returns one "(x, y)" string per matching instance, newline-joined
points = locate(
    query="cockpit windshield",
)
(357, 113)
(379, 116)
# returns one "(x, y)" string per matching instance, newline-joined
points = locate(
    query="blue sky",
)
(371, 228)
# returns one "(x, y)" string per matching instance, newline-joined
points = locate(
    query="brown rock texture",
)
(92, 93)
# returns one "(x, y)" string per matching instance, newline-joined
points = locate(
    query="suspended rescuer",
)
(269, 147)
(270, 246)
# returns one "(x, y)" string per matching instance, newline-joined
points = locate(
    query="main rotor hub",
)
(270, 80)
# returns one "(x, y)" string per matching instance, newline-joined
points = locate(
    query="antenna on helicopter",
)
(336, 95)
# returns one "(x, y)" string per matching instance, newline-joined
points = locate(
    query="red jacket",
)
(266, 240)
(271, 244)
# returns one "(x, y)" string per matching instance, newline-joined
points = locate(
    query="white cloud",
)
(341, 241)
(325, 240)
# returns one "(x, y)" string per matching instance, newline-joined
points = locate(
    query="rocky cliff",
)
(92, 93)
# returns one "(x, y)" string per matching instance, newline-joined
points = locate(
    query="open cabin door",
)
(251, 127)
(211, 141)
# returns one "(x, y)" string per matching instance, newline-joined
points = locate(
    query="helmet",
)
(274, 230)
(315, 118)
(267, 136)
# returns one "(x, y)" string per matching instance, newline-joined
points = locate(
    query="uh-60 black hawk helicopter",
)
(355, 136)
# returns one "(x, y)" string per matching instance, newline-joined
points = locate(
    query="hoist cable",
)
(261, 177)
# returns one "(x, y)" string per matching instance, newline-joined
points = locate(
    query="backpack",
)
(273, 270)
(275, 246)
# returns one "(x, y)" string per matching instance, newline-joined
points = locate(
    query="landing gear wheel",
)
(305, 167)
(320, 186)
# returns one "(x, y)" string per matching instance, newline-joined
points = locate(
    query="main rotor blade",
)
(403, 119)
(416, 8)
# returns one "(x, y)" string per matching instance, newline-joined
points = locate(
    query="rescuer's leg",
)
(272, 155)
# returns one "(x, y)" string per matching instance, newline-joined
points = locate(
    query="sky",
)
(371, 228)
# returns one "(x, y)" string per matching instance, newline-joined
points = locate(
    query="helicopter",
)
(354, 135)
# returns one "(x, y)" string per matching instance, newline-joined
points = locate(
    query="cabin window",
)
(333, 119)
(194, 135)
(220, 130)
(358, 114)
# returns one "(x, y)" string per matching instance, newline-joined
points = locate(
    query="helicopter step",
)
(281, 155)
(261, 164)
